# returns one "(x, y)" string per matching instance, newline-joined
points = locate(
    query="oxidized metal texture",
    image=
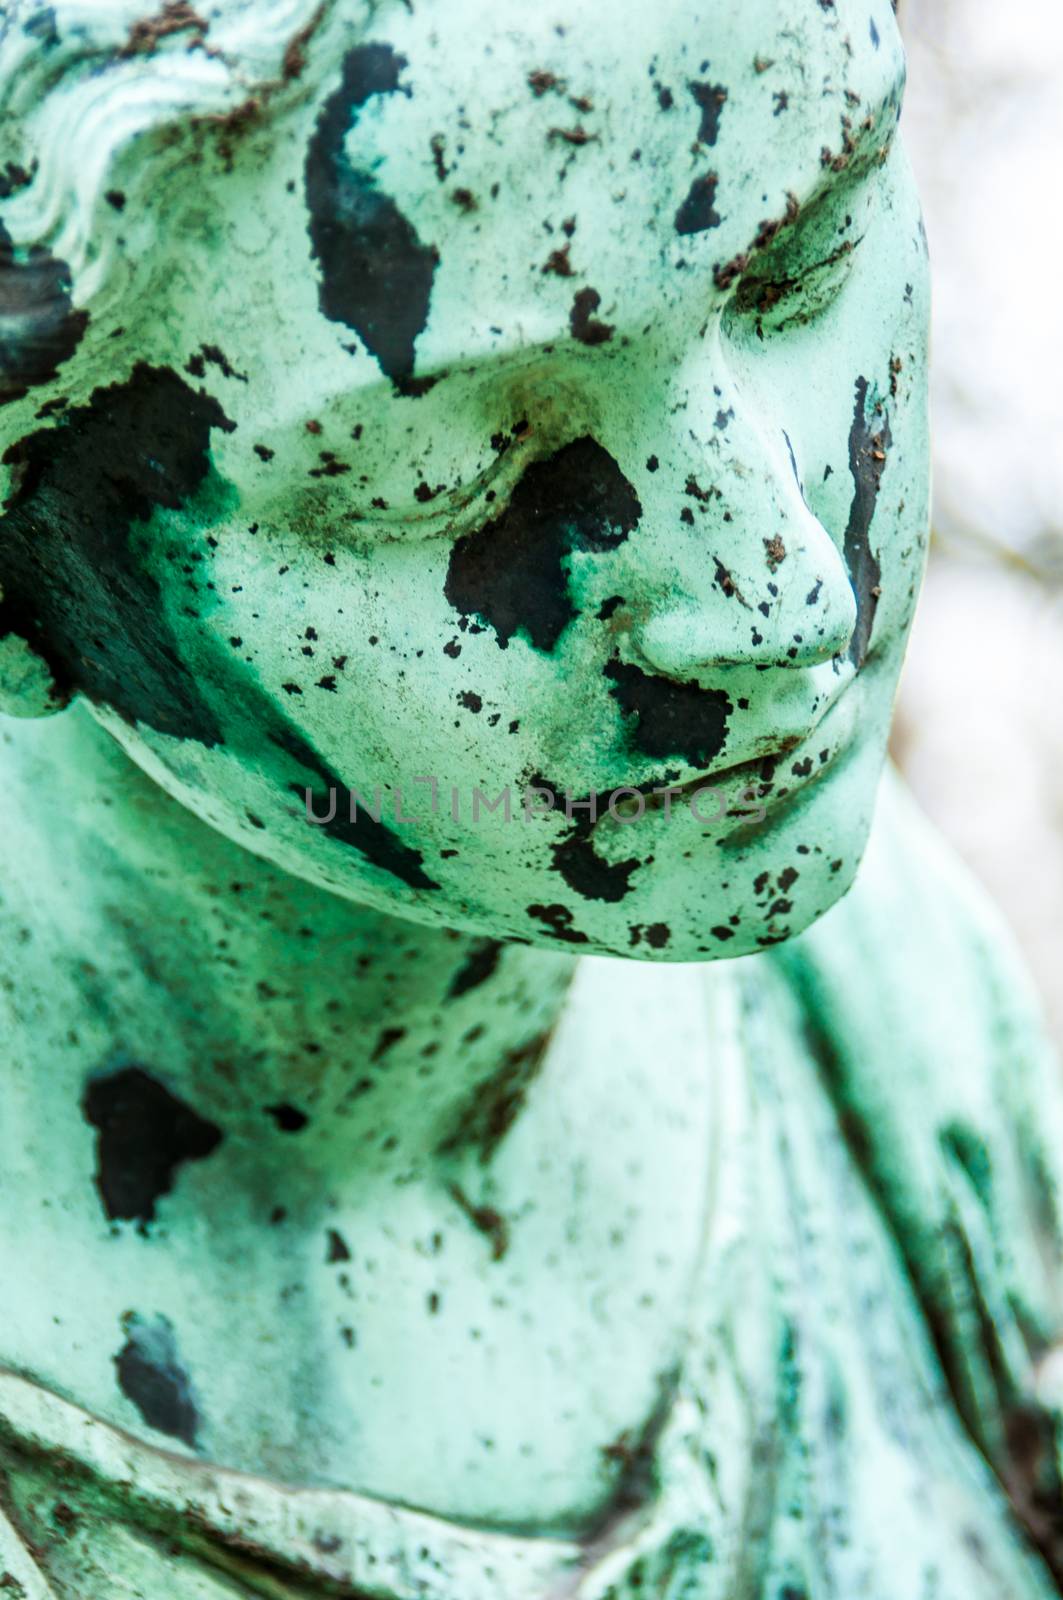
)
(436, 399)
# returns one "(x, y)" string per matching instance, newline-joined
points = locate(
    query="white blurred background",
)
(979, 732)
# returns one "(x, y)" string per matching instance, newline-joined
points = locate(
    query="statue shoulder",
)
(918, 967)
(928, 1037)
(913, 897)
(917, 975)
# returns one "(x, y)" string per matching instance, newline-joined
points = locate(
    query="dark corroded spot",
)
(144, 1134)
(588, 873)
(558, 262)
(698, 211)
(13, 177)
(481, 962)
(511, 572)
(493, 1106)
(212, 353)
(288, 1118)
(867, 460)
(775, 551)
(338, 1248)
(174, 16)
(39, 328)
(670, 718)
(632, 1459)
(575, 857)
(72, 581)
(374, 840)
(376, 275)
(585, 326)
(150, 1374)
(710, 99)
(558, 920)
(387, 1039)
(486, 1220)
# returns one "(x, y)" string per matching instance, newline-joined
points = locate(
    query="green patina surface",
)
(490, 410)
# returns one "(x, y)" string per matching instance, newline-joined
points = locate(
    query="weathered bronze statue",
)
(465, 488)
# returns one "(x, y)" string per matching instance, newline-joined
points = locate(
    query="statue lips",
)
(743, 781)
(811, 751)
(753, 784)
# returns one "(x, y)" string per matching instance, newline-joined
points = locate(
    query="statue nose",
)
(790, 604)
(750, 576)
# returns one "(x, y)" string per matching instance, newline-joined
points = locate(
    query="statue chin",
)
(478, 476)
(713, 869)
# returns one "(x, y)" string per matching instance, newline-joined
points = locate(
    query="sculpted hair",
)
(81, 81)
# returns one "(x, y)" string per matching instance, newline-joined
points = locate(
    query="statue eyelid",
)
(799, 294)
(803, 269)
(447, 512)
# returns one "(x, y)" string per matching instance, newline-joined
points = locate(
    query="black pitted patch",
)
(511, 572)
(386, 1042)
(338, 1248)
(479, 965)
(557, 919)
(39, 328)
(698, 211)
(588, 873)
(288, 1118)
(150, 1374)
(144, 1134)
(867, 461)
(710, 98)
(72, 583)
(14, 177)
(373, 840)
(585, 326)
(671, 719)
(376, 275)
(575, 857)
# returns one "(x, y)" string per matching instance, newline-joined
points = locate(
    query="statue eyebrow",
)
(881, 117)
(854, 158)
(724, 274)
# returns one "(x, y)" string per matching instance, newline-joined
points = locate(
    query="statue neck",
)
(320, 1212)
(303, 1024)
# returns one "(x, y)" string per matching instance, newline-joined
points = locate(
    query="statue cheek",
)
(512, 573)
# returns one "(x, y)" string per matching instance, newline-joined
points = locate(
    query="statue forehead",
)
(483, 42)
(510, 70)
(620, 144)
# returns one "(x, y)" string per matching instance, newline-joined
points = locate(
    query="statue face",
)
(538, 402)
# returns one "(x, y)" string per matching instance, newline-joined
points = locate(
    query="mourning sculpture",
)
(471, 1128)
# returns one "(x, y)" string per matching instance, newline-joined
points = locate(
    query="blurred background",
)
(979, 732)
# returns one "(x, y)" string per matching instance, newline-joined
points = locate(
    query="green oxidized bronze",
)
(465, 488)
